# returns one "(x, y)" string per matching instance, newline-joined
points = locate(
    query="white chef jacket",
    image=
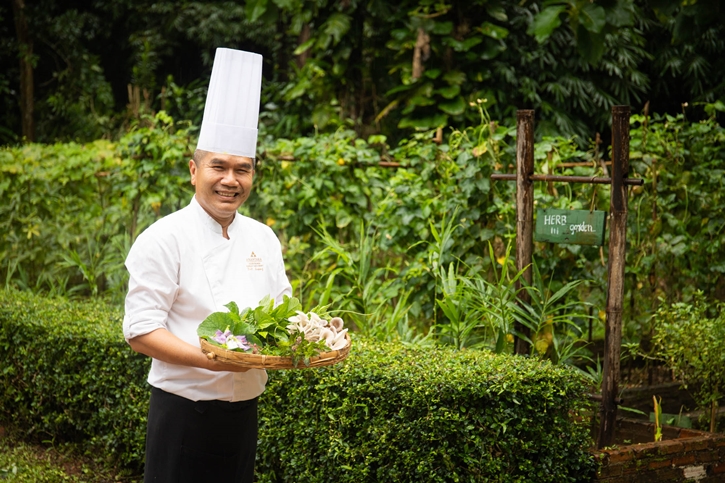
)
(181, 270)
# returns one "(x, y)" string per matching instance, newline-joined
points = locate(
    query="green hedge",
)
(67, 375)
(389, 413)
(392, 413)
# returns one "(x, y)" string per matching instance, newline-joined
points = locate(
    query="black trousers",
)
(198, 442)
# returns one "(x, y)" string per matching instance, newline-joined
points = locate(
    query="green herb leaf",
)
(216, 321)
(263, 319)
(233, 308)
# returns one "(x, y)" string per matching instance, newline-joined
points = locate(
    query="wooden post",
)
(615, 294)
(524, 212)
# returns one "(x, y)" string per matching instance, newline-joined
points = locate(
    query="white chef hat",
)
(232, 104)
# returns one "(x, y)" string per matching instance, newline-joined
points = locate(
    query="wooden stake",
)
(617, 256)
(713, 416)
(524, 213)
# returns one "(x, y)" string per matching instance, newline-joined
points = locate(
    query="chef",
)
(202, 421)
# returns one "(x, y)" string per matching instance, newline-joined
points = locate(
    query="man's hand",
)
(165, 346)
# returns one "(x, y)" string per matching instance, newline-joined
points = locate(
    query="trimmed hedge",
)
(389, 413)
(66, 374)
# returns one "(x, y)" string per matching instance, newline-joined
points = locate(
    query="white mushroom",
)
(327, 335)
(336, 323)
(313, 335)
(339, 342)
(317, 320)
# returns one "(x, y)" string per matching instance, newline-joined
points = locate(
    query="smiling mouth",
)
(227, 194)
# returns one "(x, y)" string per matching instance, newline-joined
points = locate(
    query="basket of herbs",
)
(269, 337)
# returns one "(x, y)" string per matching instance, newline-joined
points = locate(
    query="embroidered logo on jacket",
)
(255, 263)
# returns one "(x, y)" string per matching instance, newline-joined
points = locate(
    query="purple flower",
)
(230, 341)
(221, 337)
(240, 341)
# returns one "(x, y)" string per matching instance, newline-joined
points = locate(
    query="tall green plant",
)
(482, 307)
(460, 293)
(553, 319)
(676, 222)
(690, 339)
(371, 295)
(495, 297)
(460, 329)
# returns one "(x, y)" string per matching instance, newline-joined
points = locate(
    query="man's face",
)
(223, 182)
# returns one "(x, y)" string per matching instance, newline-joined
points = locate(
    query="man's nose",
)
(229, 178)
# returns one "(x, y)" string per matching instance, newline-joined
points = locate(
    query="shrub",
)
(68, 375)
(392, 413)
(690, 340)
(72, 211)
(389, 413)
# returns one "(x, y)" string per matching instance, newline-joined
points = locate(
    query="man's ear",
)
(192, 171)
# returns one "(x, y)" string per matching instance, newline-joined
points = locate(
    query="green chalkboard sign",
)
(576, 227)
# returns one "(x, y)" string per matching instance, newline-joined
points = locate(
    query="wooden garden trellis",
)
(524, 178)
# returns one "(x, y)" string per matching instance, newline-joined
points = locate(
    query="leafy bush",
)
(389, 413)
(68, 375)
(392, 413)
(690, 339)
(677, 219)
(372, 227)
(369, 237)
(70, 211)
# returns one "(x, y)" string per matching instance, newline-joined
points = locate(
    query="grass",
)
(23, 462)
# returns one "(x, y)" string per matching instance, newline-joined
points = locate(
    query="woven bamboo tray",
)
(261, 361)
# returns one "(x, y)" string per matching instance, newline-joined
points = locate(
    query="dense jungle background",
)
(381, 124)
(84, 70)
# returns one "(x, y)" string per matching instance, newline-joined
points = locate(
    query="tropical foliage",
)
(688, 338)
(419, 251)
(380, 66)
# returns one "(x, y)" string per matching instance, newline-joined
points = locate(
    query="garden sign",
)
(577, 227)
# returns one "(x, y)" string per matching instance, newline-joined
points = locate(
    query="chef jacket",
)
(181, 270)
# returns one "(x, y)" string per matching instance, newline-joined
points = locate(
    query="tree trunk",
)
(421, 52)
(305, 35)
(25, 44)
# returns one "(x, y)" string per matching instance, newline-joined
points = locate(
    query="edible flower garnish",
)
(282, 330)
(230, 341)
